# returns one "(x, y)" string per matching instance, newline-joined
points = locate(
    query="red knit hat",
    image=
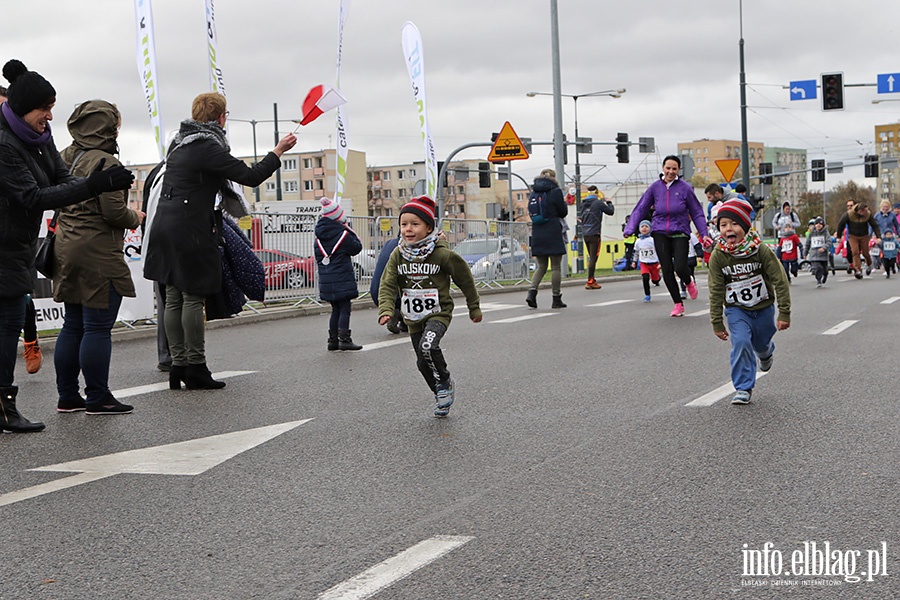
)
(423, 207)
(737, 210)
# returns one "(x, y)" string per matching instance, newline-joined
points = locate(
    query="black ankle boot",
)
(345, 342)
(10, 419)
(557, 302)
(332, 340)
(198, 377)
(531, 299)
(176, 376)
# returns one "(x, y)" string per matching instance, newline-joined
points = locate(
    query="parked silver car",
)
(494, 257)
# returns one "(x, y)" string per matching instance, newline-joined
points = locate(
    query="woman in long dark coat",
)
(183, 248)
(547, 243)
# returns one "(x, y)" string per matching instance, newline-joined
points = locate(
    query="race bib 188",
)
(418, 304)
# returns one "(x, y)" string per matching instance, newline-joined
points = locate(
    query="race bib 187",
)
(747, 292)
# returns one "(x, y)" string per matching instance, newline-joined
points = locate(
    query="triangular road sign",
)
(507, 146)
(727, 167)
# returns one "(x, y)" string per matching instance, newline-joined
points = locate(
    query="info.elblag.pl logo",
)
(812, 563)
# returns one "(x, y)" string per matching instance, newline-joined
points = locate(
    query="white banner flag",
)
(216, 79)
(341, 119)
(415, 64)
(146, 63)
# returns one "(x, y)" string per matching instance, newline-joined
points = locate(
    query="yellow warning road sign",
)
(727, 167)
(507, 146)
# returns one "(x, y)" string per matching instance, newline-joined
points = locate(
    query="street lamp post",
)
(253, 123)
(617, 93)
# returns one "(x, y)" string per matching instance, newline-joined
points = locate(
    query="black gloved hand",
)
(114, 178)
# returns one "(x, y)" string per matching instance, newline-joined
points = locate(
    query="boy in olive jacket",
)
(421, 269)
(746, 280)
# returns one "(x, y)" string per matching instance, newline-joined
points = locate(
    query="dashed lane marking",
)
(699, 313)
(717, 394)
(158, 387)
(840, 327)
(890, 300)
(370, 582)
(524, 318)
(609, 303)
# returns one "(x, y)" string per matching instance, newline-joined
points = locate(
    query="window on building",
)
(412, 173)
(308, 185)
(318, 162)
(307, 163)
(386, 176)
(400, 174)
(290, 186)
(401, 193)
(460, 189)
(289, 164)
(270, 186)
(320, 184)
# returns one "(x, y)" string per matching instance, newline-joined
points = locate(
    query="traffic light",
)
(622, 147)
(870, 165)
(832, 91)
(484, 174)
(818, 170)
(766, 169)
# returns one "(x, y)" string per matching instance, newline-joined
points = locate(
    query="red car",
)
(285, 270)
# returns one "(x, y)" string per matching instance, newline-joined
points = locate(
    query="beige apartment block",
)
(706, 152)
(887, 143)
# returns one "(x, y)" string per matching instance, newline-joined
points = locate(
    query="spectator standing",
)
(335, 244)
(547, 242)
(91, 276)
(33, 178)
(593, 207)
(183, 249)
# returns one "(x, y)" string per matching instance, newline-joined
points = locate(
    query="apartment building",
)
(784, 160)
(390, 187)
(706, 152)
(303, 176)
(887, 143)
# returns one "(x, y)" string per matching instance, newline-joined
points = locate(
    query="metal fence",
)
(497, 251)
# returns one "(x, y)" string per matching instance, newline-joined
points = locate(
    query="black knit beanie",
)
(27, 89)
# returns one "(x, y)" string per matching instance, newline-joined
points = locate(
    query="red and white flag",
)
(318, 101)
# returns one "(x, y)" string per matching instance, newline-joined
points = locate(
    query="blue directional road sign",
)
(803, 90)
(888, 83)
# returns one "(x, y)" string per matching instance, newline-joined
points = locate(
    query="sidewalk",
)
(274, 313)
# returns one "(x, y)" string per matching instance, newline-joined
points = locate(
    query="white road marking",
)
(717, 394)
(890, 300)
(191, 457)
(370, 582)
(840, 327)
(524, 318)
(486, 307)
(401, 340)
(699, 313)
(609, 303)
(158, 387)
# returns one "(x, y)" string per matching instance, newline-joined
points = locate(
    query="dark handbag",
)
(44, 260)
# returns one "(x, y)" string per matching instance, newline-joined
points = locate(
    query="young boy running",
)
(746, 279)
(422, 268)
(817, 250)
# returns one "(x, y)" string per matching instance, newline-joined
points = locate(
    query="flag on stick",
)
(318, 101)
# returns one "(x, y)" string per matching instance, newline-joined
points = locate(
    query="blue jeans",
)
(12, 319)
(751, 333)
(85, 346)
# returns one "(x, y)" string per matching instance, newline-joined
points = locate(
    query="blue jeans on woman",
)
(12, 319)
(85, 345)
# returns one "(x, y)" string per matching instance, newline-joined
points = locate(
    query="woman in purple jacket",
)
(673, 205)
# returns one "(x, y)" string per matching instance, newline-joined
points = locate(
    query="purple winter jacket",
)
(674, 208)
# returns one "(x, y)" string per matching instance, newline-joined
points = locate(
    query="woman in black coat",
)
(335, 244)
(183, 248)
(547, 243)
(33, 178)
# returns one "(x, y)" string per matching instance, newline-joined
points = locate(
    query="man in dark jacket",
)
(592, 210)
(859, 221)
(33, 178)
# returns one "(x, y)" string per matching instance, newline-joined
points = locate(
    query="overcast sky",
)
(678, 61)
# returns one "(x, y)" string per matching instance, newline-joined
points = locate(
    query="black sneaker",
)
(70, 405)
(108, 406)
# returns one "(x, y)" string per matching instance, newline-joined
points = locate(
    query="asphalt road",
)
(592, 453)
